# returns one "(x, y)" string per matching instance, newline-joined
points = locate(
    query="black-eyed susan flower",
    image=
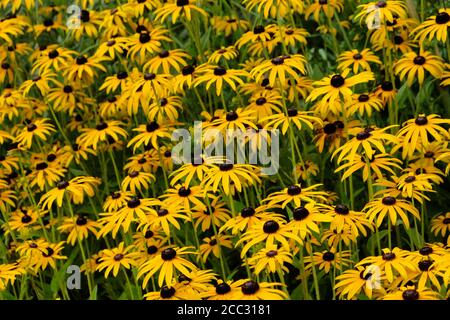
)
(167, 263)
(229, 24)
(327, 259)
(224, 290)
(391, 262)
(338, 86)
(214, 245)
(226, 54)
(435, 27)
(150, 133)
(177, 9)
(199, 281)
(441, 224)
(306, 219)
(164, 217)
(379, 208)
(328, 8)
(135, 208)
(293, 116)
(171, 292)
(280, 68)
(296, 194)
(417, 131)
(358, 61)
(215, 213)
(223, 175)
(252, 290)
(39, 128)
(137, 181)
(116, 258)
(76, 189)
(368, 140)
(372, 165)
(365, 104)
(342, 216)
(269, 232)
(91, 137)
(248, 217)
(411, 293)
(385, 11)
(270, 259)
(49, 256)
(413, 66)
(352, 282)
(167, 60)
(218, 76)
(83, 70)
(78, 228)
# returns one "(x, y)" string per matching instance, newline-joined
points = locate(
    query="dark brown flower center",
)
(398, 40)
(84, 16)
(181, 3)
(80, 60)
(250, 287)
(419, 60)
(271, 253)
(388, 201)
(53, 54)
(259, 29)
(220, 71)
(162, 212)
(341, 209)
(62, 185)
(410, 179)
(357, 56)
(329, 128)
(223, 288)
(152, 250)
(271, 226)
(184, 192)
(442, 18)
(387, 86)
(247, 212)
(225, 166)
(363, 98)
(49, 252)
(101, 126)
(133, 202)
(300, 213)
(381, 4)
(446, 221)
(292, 112)
(294, 190)
(260, 101)
(144, 37)
(167, 292)
(363, 135)
(277, 61)
(187, 70)
(410, 294)
(168, 254)
(388, 256)
(122, 75)
(328, 256)
(425, 251)
(421, 120)
(149, 76)
(164, 54)
(150, 127)
(232, 116)
(337, 81)
(133, 174)
(26, 219)
(81, 221)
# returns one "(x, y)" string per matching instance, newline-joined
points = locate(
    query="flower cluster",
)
(88, 175)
